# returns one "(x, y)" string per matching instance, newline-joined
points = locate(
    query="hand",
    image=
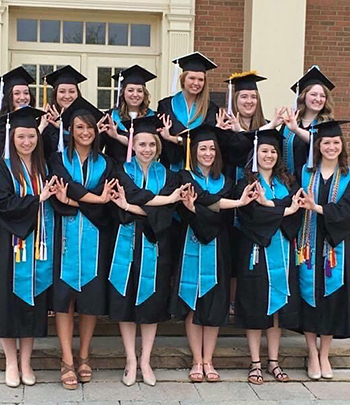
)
(165, 130)
(278, 118)
(54, 115)
(296, 201)
(249, 194)
(290, 119)
(110, 127)
(228, 122)
(119, 198)
(308, 200)
(48, 189)
(61, 191)
(108, 193)
(180, 193)
(189, 197)
(261, 199)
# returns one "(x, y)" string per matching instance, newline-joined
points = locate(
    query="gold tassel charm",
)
(45, 93)
(188, 151)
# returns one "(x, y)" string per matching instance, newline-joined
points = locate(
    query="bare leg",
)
(210, 336)
(10, 349)
(128, 332)
(87, 325)
(273, 343)
(195, 340)
(148, 334)
(314, 368)
(326, 341)
(254, 338)
(26, 348)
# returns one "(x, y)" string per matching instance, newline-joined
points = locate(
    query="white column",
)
(4, 54)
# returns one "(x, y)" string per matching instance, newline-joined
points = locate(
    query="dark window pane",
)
(49, 31)
(31, 69)
(60, 66)
(104, 77)
(73, 32)
(44, 70)
(49, 96)
(140, 35)
(103, 99)
(118, 34)
(27, 30)
(95, 33)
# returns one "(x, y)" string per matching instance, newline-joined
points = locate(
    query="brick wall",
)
(327, 44)
(219, 35)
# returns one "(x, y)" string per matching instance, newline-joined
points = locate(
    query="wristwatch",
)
(180, 140)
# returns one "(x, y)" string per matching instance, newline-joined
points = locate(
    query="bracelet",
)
(127, 207)
(179, 140)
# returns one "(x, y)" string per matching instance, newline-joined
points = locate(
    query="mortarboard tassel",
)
(229, 101)
(7, 138)
(255, 154)
(24, 252)
(1, 91)
(295, 108)
(45, 93)
(310, 161)
(132, 115)
(119, 87)
(60, 138)
(188, 152)
(174, 84)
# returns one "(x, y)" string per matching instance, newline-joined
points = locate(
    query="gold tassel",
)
(45, 93)
(188, 152)
(243, 74)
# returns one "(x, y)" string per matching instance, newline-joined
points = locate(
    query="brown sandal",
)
(210, 371)
(84, 374)
(277, 372)
(196, 370)
(69, 382)
(256, 378)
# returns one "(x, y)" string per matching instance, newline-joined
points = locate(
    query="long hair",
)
(54, 96)
(257, 119)
(158, 144)
(8, 106)
(37, 161)
(143, 108)
(95, 147)
(202, 99)
(327, 112)
(278, 170)
(342, 158)
(216, 167)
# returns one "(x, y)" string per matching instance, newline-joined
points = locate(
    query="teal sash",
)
(199, 262)
(333, 277)
(124, 245)
(30, 276)
(80, 238)
(276, 254)
(118, 120)
(181, 112)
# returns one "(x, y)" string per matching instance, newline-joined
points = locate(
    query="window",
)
(140, 35)
(49, 31)
(107, 87)
(118, 34)
(27, 30)
(73, 32)
(95, 33)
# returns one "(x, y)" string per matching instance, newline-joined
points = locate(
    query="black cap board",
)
(145, 124)
(23, 117)
(245, 80)
(204, 133)
(329, 129)
(80, 107)
(195, 62)
(135, 75)
(313, 76)
(65, 75)
(16, 77)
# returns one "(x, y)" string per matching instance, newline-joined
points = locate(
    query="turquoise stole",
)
(333, 277)
(30, 276)
(80, 238)
(276, 254)
(118, 120)
(124, 245)
(199, 262)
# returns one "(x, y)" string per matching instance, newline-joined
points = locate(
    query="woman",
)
(16, 93)
(65, 91)
(26, 233)
(188, 109)
(140, 271)
(267, 279)
(323, 248)
(314, 105)
(133, 101)
(201, 290)
(81, 236)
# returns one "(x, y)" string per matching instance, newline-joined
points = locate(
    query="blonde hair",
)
(202, 99)
(327, 112)
(158, 143)
(124, 109)
(257, 119)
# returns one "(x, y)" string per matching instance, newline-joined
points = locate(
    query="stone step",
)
(172, 352)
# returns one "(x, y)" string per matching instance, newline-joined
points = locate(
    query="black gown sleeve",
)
(50, 137)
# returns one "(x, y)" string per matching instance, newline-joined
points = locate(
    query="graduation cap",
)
(79, 107)
(313, 76)
(195, 62)
(15, 77)
(330, 128)
(264, 137)
(23, 117)
(65, 75)
(135, 75)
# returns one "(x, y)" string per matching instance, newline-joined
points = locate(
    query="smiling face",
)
(267, 156)
(331, 148)
(247, 101)
(315, 99)
(145, 147)
(83, 133)
(134, 95)
(25, 141)
(20, 96)
(206, 153)
(193, 82)
(66, 94)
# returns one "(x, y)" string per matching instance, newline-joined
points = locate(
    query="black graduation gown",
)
(155, 226)
(92, 300)
(258, 224)
(213, 308)
(332, 313)
(2, 137)
(171, 153)
(18, 216)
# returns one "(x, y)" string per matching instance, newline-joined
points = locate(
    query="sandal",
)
(256, 378)
(196, 373)
(85, 374)
(69, 382)
(277, 372)
(209, 370)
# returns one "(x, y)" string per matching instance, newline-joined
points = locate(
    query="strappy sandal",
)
(277, 372)
(196, 370)
(210, 371)
(69, 382)
(256, 378)
(84, 374)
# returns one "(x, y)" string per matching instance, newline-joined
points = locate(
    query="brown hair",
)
(158, 143)
(95, 147)
(38, 161)
(342, 158)
(278, 170)
(216, 167)
(202, 99)
(8, 100)
(54, 96)
(143, 108)
(257, 119)
(327, 113)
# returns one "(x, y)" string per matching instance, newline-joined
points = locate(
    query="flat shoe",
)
(255, 374)
(12, 383)
(277, 372)
(313, 375)
(29, 380)
(128, 379)
(196, 370)
(209, 370)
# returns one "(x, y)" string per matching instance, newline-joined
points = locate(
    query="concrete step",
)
(172, 352)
